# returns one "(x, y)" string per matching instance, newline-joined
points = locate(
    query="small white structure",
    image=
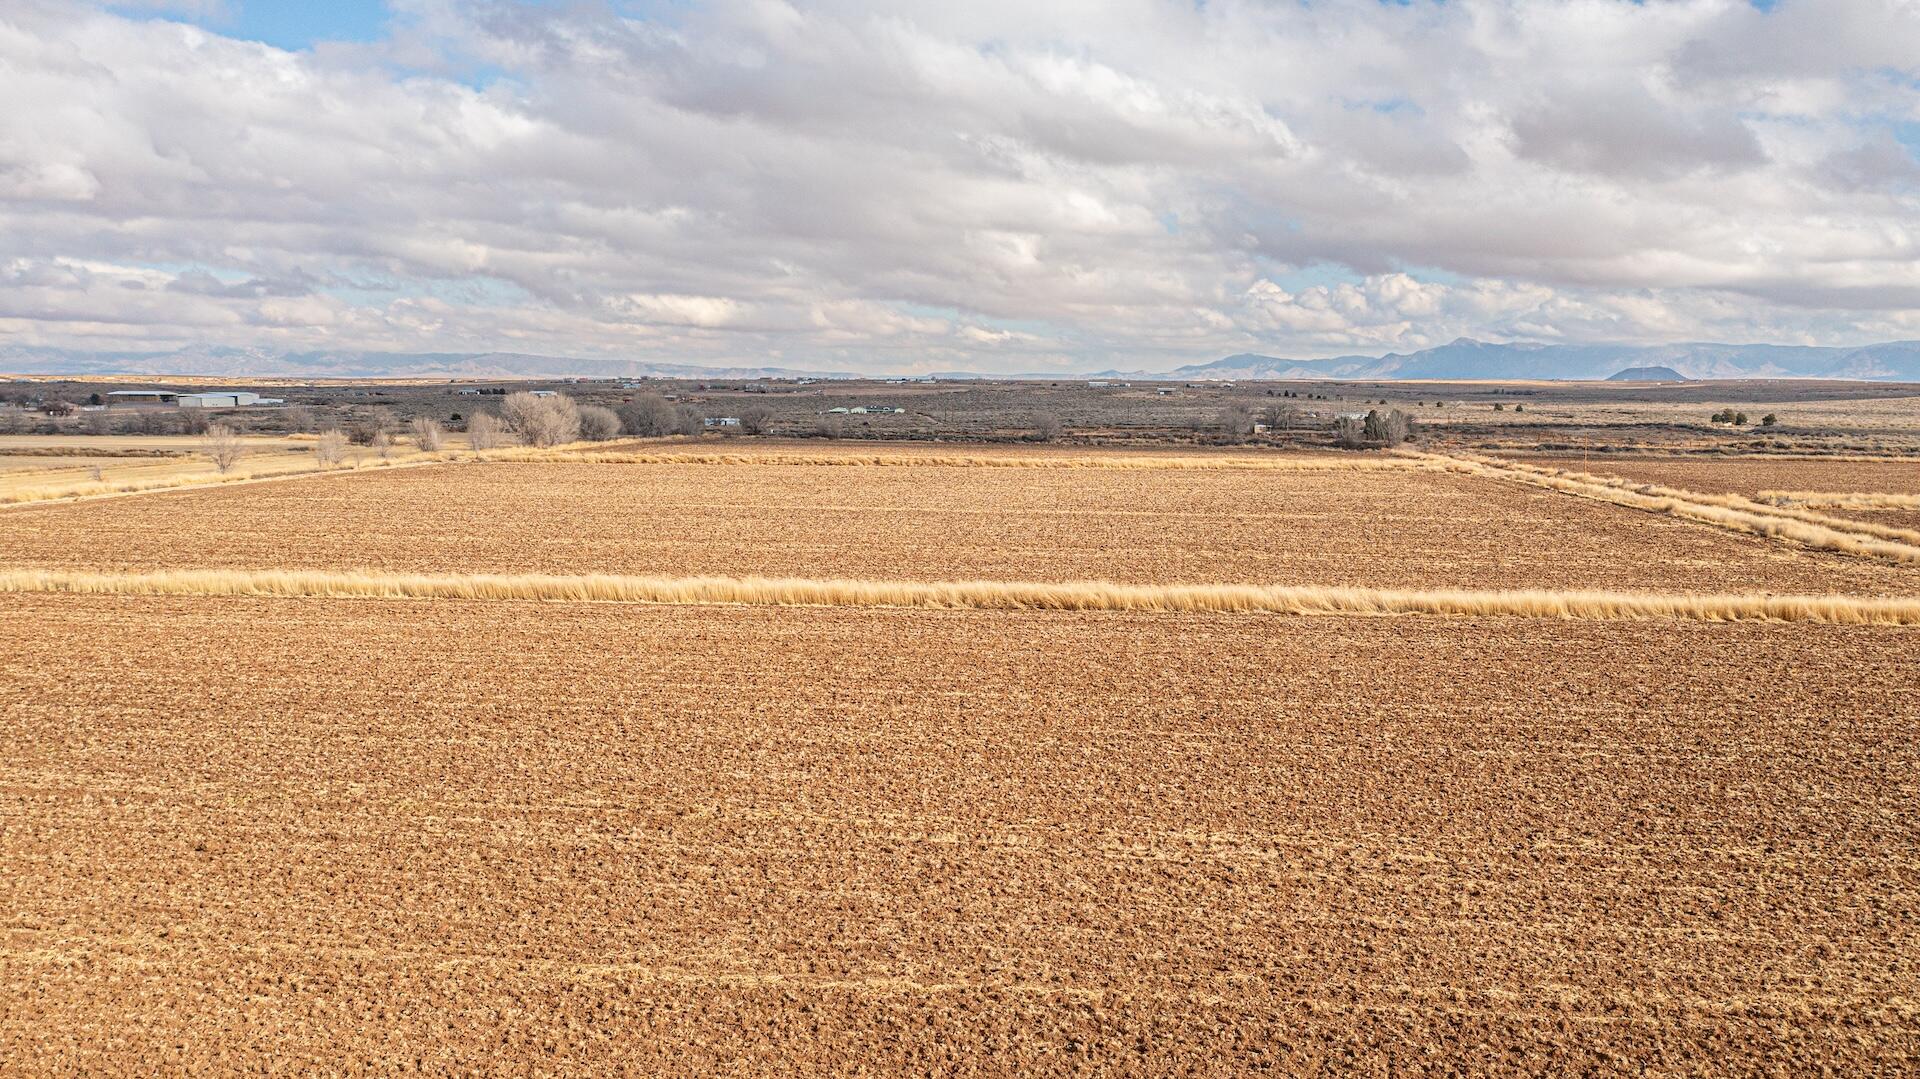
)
(218, 399)
(1099, 385)
(543, 393)
(722, 421)
(841, 410)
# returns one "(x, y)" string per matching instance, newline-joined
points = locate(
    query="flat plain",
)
(1378, 528)
(346, 835)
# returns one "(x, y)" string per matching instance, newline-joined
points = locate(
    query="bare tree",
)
(382, 444)
(224, 447)
(330, 449)
(756, 420)
(484, 431)
(598, 423)
(831, 426)
(541, 421)
(194, 422)
(1046, 428)
(1280, 417)
(427, 434)
(297, 418)
(1349, 432)
(11, 419)
(649, 415)
(1236, 423)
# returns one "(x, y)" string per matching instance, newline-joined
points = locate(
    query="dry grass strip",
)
(1315, 463)
(1732, 512)
(977, 595)
(1841, 500)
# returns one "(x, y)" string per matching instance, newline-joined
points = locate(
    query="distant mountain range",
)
(1463, 359)
(1897, 361)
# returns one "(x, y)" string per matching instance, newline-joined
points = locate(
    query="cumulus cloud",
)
(990, 185)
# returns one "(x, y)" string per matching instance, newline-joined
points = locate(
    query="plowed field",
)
(345, 835)
(1403, 529)
(348, 835)
(1750, 475)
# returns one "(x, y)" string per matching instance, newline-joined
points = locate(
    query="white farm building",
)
(219, 399)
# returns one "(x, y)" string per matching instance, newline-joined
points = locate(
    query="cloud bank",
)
(988, 186)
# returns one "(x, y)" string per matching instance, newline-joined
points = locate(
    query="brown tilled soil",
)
(1381, 529)
(345, 836)
(1750, 475)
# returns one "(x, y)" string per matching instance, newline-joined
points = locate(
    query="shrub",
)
(1046, 428)
(427, 434)
(484, 431)
(1769, 420)
(224, 447)
(330, 449)
(541, 421)
(382, 444)
(1739, 419)
(830, 427)
(598, 423)
(1349, 433)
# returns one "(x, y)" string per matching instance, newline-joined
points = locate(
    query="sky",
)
(990, 186)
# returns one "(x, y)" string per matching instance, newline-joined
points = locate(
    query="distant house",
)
(1099, 385)
(841, 410)
(721, 421)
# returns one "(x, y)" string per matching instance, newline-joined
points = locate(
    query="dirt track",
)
(342, 834)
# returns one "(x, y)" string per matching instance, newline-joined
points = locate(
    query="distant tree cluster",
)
(541, 421)
(1388, 427)
(650, 415)
(1727, 415)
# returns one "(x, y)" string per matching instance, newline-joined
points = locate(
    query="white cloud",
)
(1012, 187)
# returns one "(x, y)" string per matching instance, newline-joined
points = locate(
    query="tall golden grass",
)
(1842, 500)
(1315, 463)
(977, 595)
(1732, 512)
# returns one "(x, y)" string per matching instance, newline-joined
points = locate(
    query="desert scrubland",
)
(310, 832)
